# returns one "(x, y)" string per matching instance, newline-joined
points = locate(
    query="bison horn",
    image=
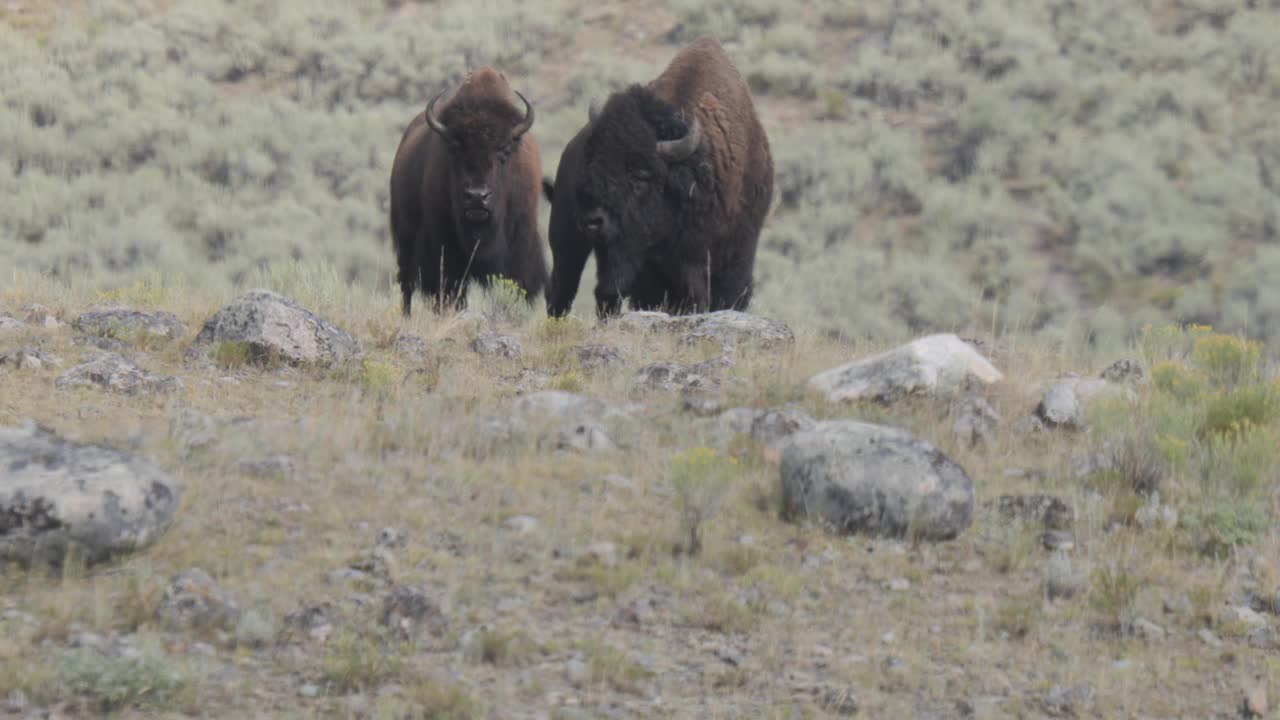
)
(527, 123)
(682, 148)
(433, 121)
(593, 111)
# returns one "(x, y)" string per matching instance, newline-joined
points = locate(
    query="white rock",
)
(932, 365)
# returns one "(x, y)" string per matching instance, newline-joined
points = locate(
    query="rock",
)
(130, 325)
(1208, 638)
(669, 377)
(109, 371)
(273, 327)
(1245, 615)
(193, 600)
(1123, 371)
(193, 430)
(702, 400)
(729, 328)
(408, 610)
(489, 343)
(597, 357)
(1178, 604)
(1029, 425)
(864, 478)
(28, 359)
(1051, 512)
(900, 584)
(933, 365)
(974, 421)
(1061, 408)
(585, 437)
(272, 467)
(38, 315)
(577, 673)
(1255, 702)
(316, 621)
(9, 324)
(1148, 630)
(772, 427)
(841, 701)
(391, 538)
(410, 347)
(1058, 540)
(56, 494)
(309, 690)
(1152, 514)
(521, 524)
(737, 421)
(604, 553)
(1061, 580)
(1067, 701)
(1065, 401)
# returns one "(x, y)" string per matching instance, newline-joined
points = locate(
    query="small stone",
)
(898, 585)
(1255, 701)
(1061, 408)
(130, 325)
(1067, 701)
(974, 421)
(703, 401)
(605, 553)
(407, 609)
(1148, 630)
(192, 599)
(9, 324)
(597, 357)
(585, 436)
(1058, 540)
(1029, 425)
(16, 702)
(410, 347)
(493, 344)
(391, 538)
(39, 315)
(577, 673)
(521, 524)
(110, 371)
(1245, 615)
(309, 690)
(1060, 578)
(28, 359)
(1178, 604)
(1208, 638)
(203, 650)
(1122, 371)
(272, 467)
(842, 701)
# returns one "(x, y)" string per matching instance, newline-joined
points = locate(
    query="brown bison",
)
(669, 184)
(464, 194)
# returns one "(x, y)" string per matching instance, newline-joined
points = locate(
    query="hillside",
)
(1075, 171)
(489, 514)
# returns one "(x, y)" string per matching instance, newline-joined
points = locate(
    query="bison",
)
(669, 183)
(464, 194)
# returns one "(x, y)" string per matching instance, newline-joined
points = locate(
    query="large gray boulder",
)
(933, 365)
(131, 325)
(56, 494)
(861, 478)
(273, 327)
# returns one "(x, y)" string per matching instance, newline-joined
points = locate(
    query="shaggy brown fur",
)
(671, 230)
(445, 229)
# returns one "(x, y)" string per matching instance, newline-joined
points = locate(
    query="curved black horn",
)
(432, 121)
(527, 123)
(593, 110)
(683, 147)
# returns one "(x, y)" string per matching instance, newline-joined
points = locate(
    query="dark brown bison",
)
(464, 194)
(669, 184)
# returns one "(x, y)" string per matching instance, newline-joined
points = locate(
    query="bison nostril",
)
(479, 195)
(593, 222)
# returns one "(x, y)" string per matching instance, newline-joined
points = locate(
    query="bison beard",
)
(464, 194)
(668, 184)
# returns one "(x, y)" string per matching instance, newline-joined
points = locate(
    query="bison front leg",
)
(694, 290)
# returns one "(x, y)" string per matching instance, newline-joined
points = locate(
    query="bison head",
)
(481, 135)
(640, 173)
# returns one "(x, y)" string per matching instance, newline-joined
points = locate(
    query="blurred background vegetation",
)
(1071, 169)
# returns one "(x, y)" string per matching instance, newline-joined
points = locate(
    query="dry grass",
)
(799, 611)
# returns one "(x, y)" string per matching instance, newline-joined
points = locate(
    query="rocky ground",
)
(236, 507)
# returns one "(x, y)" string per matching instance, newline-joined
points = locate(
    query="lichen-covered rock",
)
(974, 421)
(130, 325)
(861, 478)
(109, 371)
(410, 347)
(933, 365)
(1065, 401)
(727, 327)
(56, 494)
(28, 359)
(497, 345)
(597, 357)
(193, 600)
(272, 327)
